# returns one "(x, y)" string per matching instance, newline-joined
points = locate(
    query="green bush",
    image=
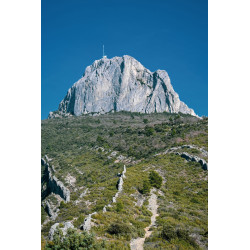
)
(101, 141)
(194, 200)
(169, 232)
(146, 187)
(173, 132)
(77, 223)
(158, 128)
(155, 179)
(119, 206)
(120, 228)
(63, 204)
(72, 240)
(145, 121)
(149, 131)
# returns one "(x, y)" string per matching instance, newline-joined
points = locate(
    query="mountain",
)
(136, 178)
(121, 84)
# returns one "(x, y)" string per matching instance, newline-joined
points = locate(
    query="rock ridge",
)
(53, 184)
(189, 157)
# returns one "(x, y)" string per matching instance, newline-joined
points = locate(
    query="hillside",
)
(125, 181)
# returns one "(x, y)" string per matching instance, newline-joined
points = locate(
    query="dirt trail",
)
(137, 244)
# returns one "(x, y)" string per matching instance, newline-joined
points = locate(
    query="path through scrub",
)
(137, 244)
(86, 226)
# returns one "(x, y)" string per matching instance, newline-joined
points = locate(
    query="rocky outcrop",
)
(48, 208)
(202, 150)
(121, 84)
(53, 184)
(170, 150)
(64, 229)
(86, 226)
(120, 184)
(189, 157)
(119, 187)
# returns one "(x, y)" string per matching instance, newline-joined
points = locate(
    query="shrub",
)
(169, 233)
(158, 128)
(100, 140)
(63, 204)
(146, 187)
(149, 131)
(194, 200)
(145, 121)
(119, 206)
(173, 132)
(120, 228)
(145, 211)
(77, 223)
(72, 240)
(155, 179)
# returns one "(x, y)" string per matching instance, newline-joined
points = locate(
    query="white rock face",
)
(121, 84)
(87, 222)
(66, 226)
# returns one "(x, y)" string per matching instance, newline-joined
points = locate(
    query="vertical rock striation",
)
(121, 84)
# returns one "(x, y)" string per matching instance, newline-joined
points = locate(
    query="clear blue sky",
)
(170, 35)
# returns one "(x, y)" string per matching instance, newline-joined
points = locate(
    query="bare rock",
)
(121, 83)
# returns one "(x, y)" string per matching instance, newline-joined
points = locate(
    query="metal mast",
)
(103, 55)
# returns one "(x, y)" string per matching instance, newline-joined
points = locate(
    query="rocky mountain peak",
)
(121, 84)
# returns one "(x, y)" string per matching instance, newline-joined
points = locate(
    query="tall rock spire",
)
(122, 83)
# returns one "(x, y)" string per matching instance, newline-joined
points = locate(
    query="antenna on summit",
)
(103, 55)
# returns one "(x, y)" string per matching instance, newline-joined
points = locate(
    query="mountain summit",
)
(121, 84)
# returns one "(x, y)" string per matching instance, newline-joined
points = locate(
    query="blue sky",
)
(162, 34)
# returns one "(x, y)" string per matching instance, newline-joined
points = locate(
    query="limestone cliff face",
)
(121, 84)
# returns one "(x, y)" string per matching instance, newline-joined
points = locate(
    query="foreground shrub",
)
(72, 240)
(169, 232)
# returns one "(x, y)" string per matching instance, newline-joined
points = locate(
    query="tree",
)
(155, 179)
(146, 187)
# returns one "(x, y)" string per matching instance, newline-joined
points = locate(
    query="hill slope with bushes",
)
(109, 166)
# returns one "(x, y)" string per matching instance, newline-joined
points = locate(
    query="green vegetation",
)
(119, 206)
(72, 240)
(146, 187)
(170, 234)
(85, 154)
(120, 228)
(155, 179)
